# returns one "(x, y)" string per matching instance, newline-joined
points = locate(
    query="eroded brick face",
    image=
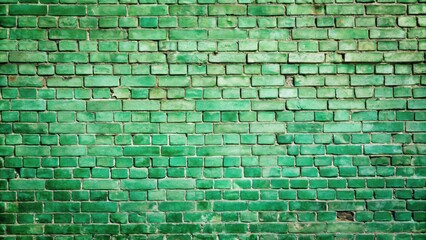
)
(228, 119)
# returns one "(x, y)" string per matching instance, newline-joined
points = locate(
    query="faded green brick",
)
(224, 105)
(27, 57)
(266, 10)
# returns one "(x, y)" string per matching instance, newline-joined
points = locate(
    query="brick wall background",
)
(212, 119)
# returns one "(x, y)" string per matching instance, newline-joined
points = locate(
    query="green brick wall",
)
(227, 119)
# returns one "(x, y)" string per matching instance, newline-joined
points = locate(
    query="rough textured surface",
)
(225, 119)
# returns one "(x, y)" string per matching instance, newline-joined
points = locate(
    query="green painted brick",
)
(24, 9)
(104, 105)
(106, 10)
(63, 184)
(137, 34)
(67, 10)
(224, 105)
(27, 57)
(148, 10)
(16, 184)
(266, 10)
(220, 10)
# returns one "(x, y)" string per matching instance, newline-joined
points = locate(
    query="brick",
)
(306, 57)
(188, 34)
(383, 127)
(223, 151)
(63, 184)
(28, 128)
(346, 104)
(141, 105)
(221, 10)
(224, 105)
(31, 57)
(363, 57)
(138, 81)
(269, 34)
(233, 81)
(64, 82)
(108, 34)
(266, 10)
(66, 128)
(199, 58)
(365, 80)
(416, 9)
(147, 10)
(24, 9)
(67, 10)
(404, 57)
(176, 183)
(188, 10)
(147, 58)
(308, 33)
(305, 104)
(383, 33)
(227, 58)
(34, 105)
(345, 34)
(68, 151)
(344, 150)
(300, 81)
(386, 10)
(106, 10)
(341, 9)
(178, 105)
(265, 58)
(101, 81)
(342, 127)
(305, 10)
(176, 206)
(140, 151)
(108, 57)
(401, 80)
(225, 34)
(100, 184)
(60, 34)
(382, 149)
(16, 184)
(386, 104)
(25, 81)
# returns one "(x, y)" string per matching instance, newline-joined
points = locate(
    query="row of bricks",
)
(213, 46)
(226, 231)
(100, 166)
(236, 206)
(219, 194)
(174, 217)
(214, 34)
(218, 81)
(209, 173)
(211, 105)
(212, 22)
(221, 128)
(192, 94)
(231, 69)
(228, 150)
(203, 58)
(212, 139)
(210, 117)
(382, 187)
(213, 10)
